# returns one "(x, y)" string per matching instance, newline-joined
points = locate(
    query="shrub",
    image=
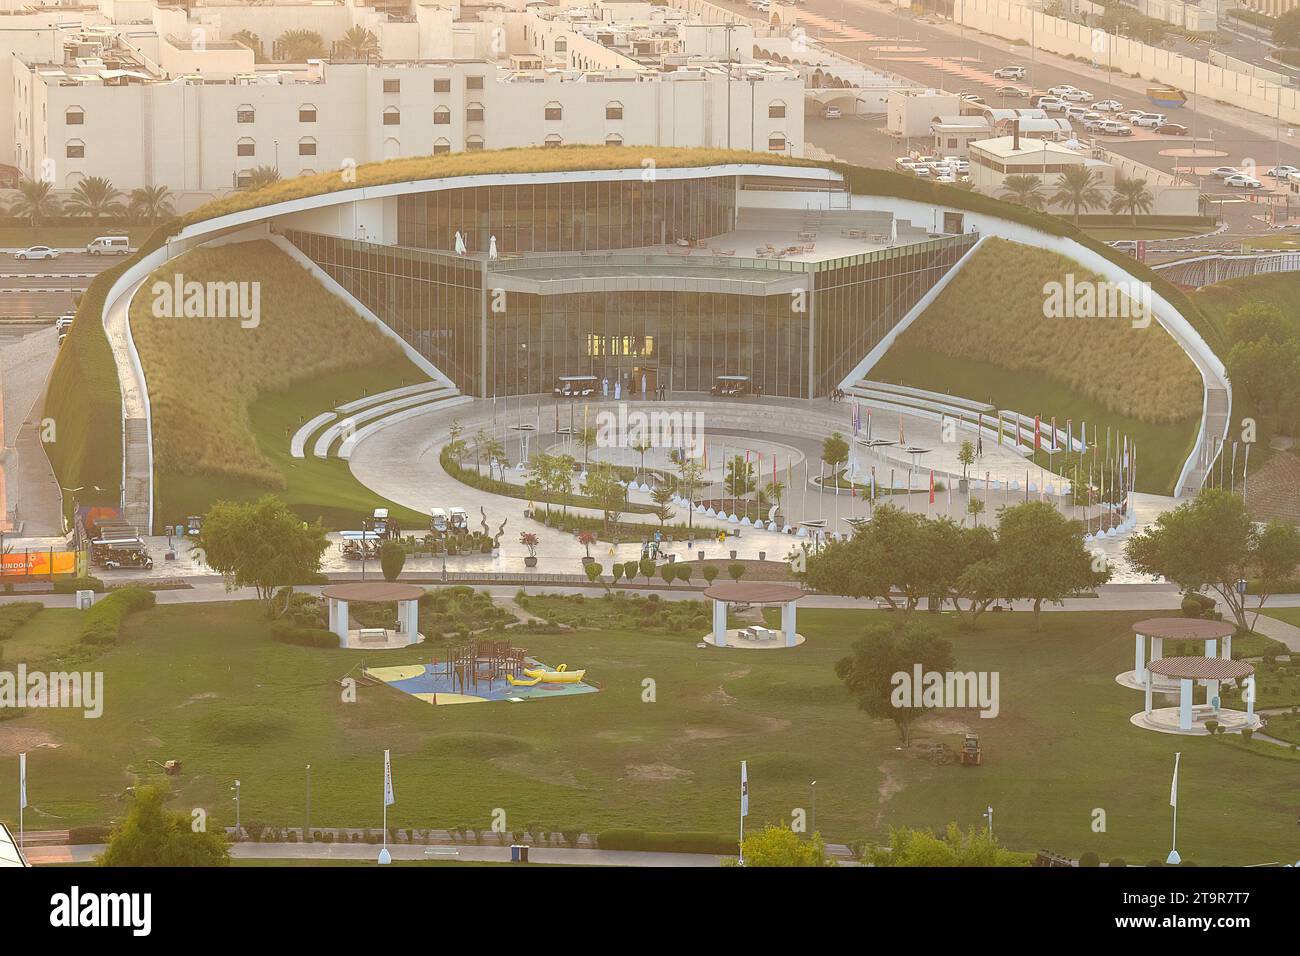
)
(14, 616)
(630, 839)
(73, 585)
(1089, 859)
(103, 622)
(593, 571)
(630, 570)
(710, 572)
(1247, 733)
(287, 633)
(736, 571)
(1119, 861)
(90, 833)
(1212, 726)
(683, 573)
(392, 558)
(646, 567)
(667, 572)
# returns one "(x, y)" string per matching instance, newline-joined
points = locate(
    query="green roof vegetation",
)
(84, 398)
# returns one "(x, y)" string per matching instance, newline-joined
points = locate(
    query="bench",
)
(372, 635)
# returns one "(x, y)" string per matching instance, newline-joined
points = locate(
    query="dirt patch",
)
(719, 696)
(16, 739)
(891, 784)
(618, 737)
(534, 771)
(195, 698)
(934, 724)
(736, 675)
(656, 771)
(760, 725)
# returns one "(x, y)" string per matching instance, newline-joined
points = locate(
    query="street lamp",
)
(236, 789)
(306, 830)
(988, 815)
(814, 807)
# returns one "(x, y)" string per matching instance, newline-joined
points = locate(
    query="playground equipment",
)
(482, 660)
(561, 675)
(971, 754)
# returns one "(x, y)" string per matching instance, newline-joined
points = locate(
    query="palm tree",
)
(1079, 189)
(1132, 197)
(35, 204)
(358, 44)
(260, 176)
(251, 40)
(95, 196)
(151, 203)
(1024, 190)
(298, 45)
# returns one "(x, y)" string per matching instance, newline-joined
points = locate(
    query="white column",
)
(411, 623)
(1157, 648)
(1250, 709)
(1184, 704)
(1211, 648)
(1227, 647)
(1148, 694)
(341, 623)
(1139, 663)
(333, 614)
(787, 623)
(720, 623)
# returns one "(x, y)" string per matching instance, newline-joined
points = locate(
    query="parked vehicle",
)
(1223, 172)
(1014, 92)
(1242, 182)
(109, 246)
(37, 252)
(1172, 129)
(972, 98)
(1010, 73)
(575, 386)
(832, 112)
(1061, 90)
(1150, 120)
(438, 521)
(1282, 172)
(904, 163)
(64, 322)
(1108, 106)
(1077, 96)
(1076, 112)
(458, 520)
(1114, 128)
(1129, 115)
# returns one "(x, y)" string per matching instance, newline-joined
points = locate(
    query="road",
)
(46, 287)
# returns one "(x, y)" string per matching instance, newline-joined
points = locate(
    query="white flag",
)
(389, 799)
(22, 781)
(1173, 790)
(744, 790)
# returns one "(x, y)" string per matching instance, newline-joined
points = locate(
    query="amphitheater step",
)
(351, 424)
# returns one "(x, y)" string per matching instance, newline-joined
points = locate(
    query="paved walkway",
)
(29, 491)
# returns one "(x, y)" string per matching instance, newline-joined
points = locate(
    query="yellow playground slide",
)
(561, 675)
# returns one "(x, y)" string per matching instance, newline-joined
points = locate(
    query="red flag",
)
(1038, 433)
(931, 486)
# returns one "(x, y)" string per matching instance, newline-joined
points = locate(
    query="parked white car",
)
(1150, 120)
(1114, 128)
(1129, 115)
(1242, 182)
(1061, 90)
(1282, 172)
(37, 252)
(1223, 172)
(1077, 96)
(1108, 106)
(1051, 104)
(1010, 73)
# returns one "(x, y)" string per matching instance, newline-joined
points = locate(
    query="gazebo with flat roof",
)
(726, 593)
(1157, 630)
(406, 596)
(1190, 719)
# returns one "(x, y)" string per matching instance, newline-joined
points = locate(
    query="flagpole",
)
(1174, 859)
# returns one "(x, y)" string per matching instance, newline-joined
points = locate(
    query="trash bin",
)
(518, 853)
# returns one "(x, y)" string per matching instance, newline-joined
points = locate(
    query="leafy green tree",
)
(1041, 555)
(740, 477)
(966, 456)
(251, 40)
(96, 197)
(631, 569)
(647, 568)
(151, 203)
(152, 835)
(709, 572)
(260, 176)
(262, 545)
(683, 572)
(1132, 197)
(616, 571)
(662, 496)
(735, 571)
(1079, 188)
(908, 847)
(297, 46)
(1264, 359)
(975, 507)
(1024, 190)
(882, 652)
(35, 202)
(392, 558)
(607, 494)
(690, 473)
(593, 570)
(781, 846)
(668, 573)
(835, 452)
(1212, 542)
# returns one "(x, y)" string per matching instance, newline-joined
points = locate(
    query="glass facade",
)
(568, 217)
(642, 320)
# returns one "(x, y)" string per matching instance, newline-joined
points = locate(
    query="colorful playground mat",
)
(422, 682)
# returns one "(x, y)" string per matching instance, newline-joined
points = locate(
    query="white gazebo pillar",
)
(720, 623)
(340, 621)
(1184, 704)
(1227, 647)
(1211, 648)
(1139, 658)
(333, 613)
(1148, 693)
(409, 614)
(1250, 709)
(1157, 648)
(787, 623)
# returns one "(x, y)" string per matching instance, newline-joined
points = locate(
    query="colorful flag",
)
(1038, 433)
(744, 790)
(389, 799)
(931, 486)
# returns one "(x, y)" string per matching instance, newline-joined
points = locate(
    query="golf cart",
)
(360, 544)
(731, 386)
(193, 525)
(576, 386)
(387, 528)
(458, 520)
(112, 554)
(438, 521)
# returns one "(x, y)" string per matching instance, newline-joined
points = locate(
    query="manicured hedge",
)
(651, 841)
(14, 616)
(103, 621)
(287, 633)
(73, 585)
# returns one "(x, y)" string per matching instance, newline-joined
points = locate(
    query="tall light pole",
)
(988, 815)
(306, 830)
(814, 807)
(236, 789)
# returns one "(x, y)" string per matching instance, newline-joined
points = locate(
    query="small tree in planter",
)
(587, 539)
(630, 570)
(530, 542)
(668, 573)
(616, 572)
(682, 572)
(594, 570)
(647, 568)
(736, 571)
(710, 572)
(392, 558)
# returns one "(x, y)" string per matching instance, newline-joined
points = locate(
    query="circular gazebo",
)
(1157, 630)
(1187, 718)
(726, 593)
(407, 597)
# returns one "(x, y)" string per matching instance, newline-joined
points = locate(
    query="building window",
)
(392, 86)
(392, 116)
(473, 143)
(613, 111)
(307, 114)
(473, 82)
(245, 114)
(76, 149)
(776, 143)
(776, 110)
(561, 45)
(74, 116)
(554, 111)
(613, 139)
(307, 146)
(442, 116)
(553, 140)
(246, 147)
(244, 177)
(441, 146)
(442, 85)
(474, 113)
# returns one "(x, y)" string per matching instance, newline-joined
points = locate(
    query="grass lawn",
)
(204, 684)
(314, 488)
(1163, 448)
(1289, 614)
(52, 634)
(1116, 233)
